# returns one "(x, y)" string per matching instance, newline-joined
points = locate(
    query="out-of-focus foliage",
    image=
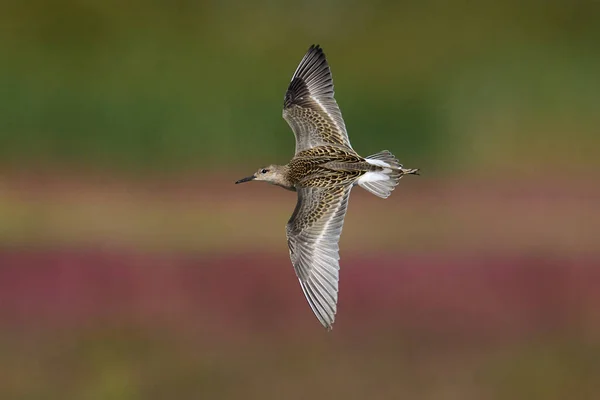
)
(178, 84)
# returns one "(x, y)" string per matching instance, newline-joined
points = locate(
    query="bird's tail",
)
(382, 181)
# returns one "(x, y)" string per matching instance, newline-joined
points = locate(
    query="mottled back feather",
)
(326, 166)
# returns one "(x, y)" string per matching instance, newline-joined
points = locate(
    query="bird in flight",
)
(323, 171)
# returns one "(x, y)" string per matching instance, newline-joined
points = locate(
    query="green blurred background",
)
(131, 267)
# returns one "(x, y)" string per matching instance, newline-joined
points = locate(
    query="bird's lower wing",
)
(313, 234)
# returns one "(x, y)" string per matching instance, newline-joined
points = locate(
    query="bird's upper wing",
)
(309, 106)
(313, 234)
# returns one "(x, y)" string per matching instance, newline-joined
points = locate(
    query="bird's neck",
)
(284, 179)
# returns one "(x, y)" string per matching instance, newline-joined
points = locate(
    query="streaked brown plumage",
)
(323, 172)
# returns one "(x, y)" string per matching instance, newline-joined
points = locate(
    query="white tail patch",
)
(374, 176)
(382, 183)
(379, 163)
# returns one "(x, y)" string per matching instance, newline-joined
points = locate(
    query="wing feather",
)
(309, 105)
(313, 233)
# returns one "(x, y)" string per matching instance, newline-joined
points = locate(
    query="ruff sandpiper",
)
(323, 171)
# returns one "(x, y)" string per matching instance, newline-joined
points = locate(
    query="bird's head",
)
(268, 174)
(274, 174)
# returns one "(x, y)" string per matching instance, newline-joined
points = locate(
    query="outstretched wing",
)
(313, 234)
(309, 106)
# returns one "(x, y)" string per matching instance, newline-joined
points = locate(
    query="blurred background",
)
(131, 266)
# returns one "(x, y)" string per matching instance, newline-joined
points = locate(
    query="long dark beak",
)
(248, 179)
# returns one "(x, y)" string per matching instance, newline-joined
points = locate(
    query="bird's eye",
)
(264, 171)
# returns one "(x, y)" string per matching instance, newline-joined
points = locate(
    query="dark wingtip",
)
(313, 64)
(316, 49)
